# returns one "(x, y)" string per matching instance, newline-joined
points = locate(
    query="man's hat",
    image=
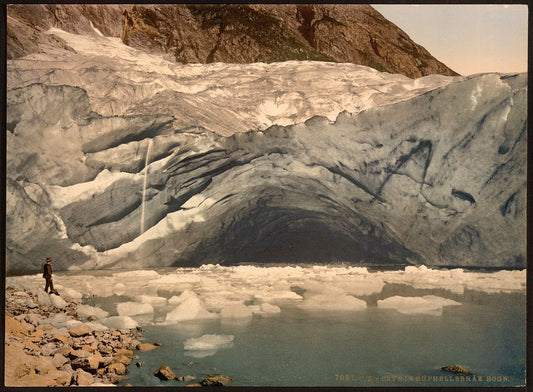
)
(48, 259)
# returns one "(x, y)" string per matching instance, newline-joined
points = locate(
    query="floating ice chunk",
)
(239, 311)
(359, 285)
(95, 326)
(209, 342)
(119, 322)
(269, 308)
(68, 292)
(87, 311)
(57, 301)
(190, 309)
(429, 304)
(119, 289)
(176, 300)
(201, 353)
(133, 308)
(43, 299)
(216, 304)
(278, 297)
(342, 303)
(148, 299)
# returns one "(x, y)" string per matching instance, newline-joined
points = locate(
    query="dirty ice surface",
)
(304, 325)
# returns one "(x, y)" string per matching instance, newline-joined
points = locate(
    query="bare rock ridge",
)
(232, 33)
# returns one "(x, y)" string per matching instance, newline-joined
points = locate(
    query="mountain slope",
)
(232, 33)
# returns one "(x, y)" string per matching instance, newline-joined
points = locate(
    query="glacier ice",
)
(208, 342)
(57, 301)
(191, 309)
(86, 311)
(96, 326)
(119, 322)
(428, 304)
(186, 294)
(43, 298)
(152, 300)
(313, 180)
(324, 303)
(378, 167)
(239, 311)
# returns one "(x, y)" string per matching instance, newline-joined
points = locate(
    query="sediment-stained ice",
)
(209, 342)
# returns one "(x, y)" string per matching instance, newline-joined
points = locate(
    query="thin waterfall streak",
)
(145, 182)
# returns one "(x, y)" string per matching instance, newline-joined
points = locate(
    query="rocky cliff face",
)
(232, 33)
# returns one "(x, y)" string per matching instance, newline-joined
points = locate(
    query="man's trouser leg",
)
(49, 283)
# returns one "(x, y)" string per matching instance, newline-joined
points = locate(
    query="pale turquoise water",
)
(487, 335)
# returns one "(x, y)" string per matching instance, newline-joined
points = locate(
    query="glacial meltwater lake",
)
(404, 326)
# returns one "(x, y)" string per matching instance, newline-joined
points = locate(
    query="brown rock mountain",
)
(237, 33)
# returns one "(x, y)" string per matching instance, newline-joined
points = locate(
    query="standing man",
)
(47, 274)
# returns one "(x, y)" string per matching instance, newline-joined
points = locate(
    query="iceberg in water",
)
(191, 309)
(87, 311)
(428, 304)
(340, 303)
(119, 322)
(209, 342)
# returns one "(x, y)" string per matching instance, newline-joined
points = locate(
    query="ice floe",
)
(119, 322)
(209, 342)
(191, 309)
(428, 304)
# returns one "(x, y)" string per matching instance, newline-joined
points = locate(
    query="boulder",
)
(43, 365)
(456, 369)
(14, 327)
(164, 373)
(121, 359)
(29, 345)
(55, 378)
(59, 360)
(216, 380)
(125, 352)
(81, 377)
(147, 346)
(117, 368)
(79, 330)
(187, 378)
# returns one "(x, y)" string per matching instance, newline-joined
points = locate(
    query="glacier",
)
(261, 163)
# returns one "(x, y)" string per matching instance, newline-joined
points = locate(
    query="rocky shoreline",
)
(47, 343)
(40, 354)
